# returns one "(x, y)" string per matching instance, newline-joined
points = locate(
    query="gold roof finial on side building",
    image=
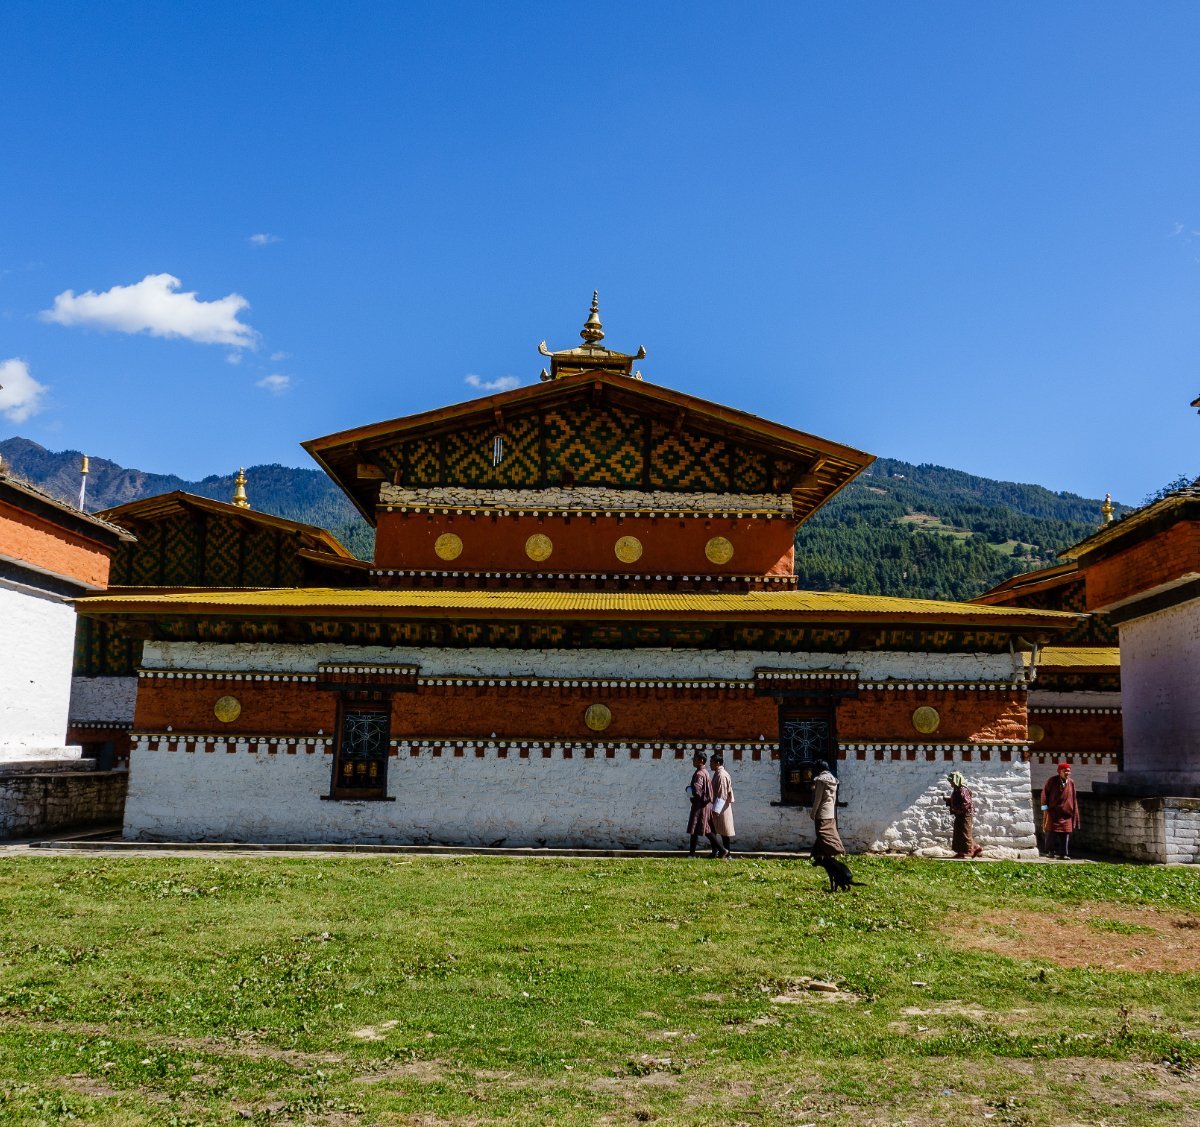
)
(593, 330)
(239, 490)
(1107, 510)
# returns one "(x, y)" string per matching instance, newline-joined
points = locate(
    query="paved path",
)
(108, 842)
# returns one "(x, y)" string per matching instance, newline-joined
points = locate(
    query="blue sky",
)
(966, 234)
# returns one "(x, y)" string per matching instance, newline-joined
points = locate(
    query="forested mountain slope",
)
(898, 529)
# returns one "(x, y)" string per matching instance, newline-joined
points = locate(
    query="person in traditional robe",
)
(826, 843)
(962, 807)
(700, 792)
(1060, 812)
(722, 820)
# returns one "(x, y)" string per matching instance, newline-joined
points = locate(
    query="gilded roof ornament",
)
(1107, 510)
(591, 356)
(593, 330)
(239, 490)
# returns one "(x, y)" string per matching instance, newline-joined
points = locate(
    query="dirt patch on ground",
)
(1107, 936)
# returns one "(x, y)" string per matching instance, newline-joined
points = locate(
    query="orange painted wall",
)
(583, 543)
(1078, 732)
(965, 716)
(297, 708)
(268, 708)
(1141, 567)
(44, 544)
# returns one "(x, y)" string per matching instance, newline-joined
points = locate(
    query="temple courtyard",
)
(426, 989)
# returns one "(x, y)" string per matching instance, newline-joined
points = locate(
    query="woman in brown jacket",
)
(828, 843)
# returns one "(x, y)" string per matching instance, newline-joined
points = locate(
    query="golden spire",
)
(1107, 510)
(592, 331)
(239, 493)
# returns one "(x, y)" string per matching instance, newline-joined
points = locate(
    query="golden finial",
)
(83, 472)
(592, 331)
(1107, 510)
(239, 492)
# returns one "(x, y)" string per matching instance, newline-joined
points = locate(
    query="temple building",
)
(576, 586)
(50, 553)
(1074, 684)
(182, 541)
(1125, 716)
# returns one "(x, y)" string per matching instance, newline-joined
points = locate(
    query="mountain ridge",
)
(899, 528)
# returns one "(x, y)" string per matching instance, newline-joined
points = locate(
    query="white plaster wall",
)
(1160, 690)
(537, 801)
(37, 644)
(632, 663)
(96, 699)
(1086, 770)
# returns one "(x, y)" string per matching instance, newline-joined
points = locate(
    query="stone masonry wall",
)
(1162, 830)
(32, 804)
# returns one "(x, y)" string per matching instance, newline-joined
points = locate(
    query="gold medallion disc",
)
(1036, 733)
(628, 549)
(926, 720)
(538, 547)
(227, 709)
(718, 550)
(597, 717)
(448, 546)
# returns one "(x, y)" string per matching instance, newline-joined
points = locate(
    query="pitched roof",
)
(341, 454)
(811, 606)
(25, 495)
(1182, 504)
(171, 504)
(1029, 583)
(1064, 659)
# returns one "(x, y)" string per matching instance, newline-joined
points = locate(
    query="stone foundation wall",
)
(1162, 830)
(38, 803)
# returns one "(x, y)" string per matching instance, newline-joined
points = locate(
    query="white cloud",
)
(276, 385)
(233, 358)
(504, 383)
(263, 240)
(155, 306)
(20, 393)
(276, 357)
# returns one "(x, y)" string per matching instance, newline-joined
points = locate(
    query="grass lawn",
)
(426, 990)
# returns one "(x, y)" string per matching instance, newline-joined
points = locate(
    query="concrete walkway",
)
(107, 840)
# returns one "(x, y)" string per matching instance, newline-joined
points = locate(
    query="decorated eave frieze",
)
(584, 501)
(581, 576)
(764, 680)
(1060, 710)
(493, 748)
(551, 632)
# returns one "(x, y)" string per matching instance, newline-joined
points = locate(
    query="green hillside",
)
(899, 529)
(927, 531)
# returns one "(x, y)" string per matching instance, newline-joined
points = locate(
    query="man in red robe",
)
(700, 792)
(1060, 812)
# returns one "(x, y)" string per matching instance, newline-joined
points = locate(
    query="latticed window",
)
(802, 741)
(360, 765)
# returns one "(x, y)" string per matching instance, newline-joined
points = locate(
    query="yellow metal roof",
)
(1077, 657)
(336, 601)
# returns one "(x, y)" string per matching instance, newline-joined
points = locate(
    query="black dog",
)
(840, 876)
